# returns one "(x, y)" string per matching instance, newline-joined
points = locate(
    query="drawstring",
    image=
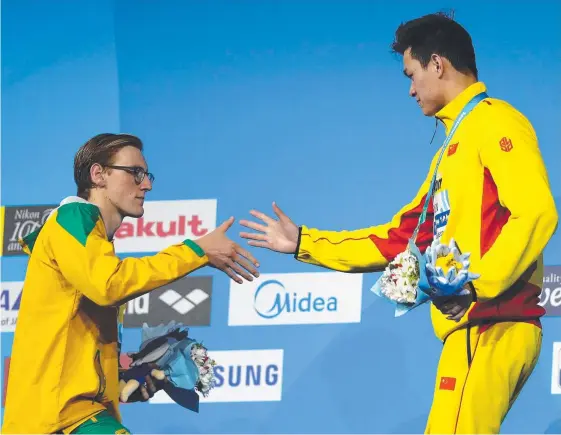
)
(435, 128)
(468, 344)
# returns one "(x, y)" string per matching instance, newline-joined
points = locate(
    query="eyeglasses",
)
(138, 172)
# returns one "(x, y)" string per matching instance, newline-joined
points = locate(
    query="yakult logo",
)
(165, 223)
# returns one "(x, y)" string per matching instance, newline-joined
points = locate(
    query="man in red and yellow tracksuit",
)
(491, 217)
(492, 196)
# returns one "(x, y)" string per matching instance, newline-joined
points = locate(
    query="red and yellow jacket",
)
(492, 195)
(64, 364)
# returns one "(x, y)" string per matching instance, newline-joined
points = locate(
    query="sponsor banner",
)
(556, 369)
(242, 376)
(187, 300)
(296, 298)
(19, 221)
(550, 297)
(10, 299)
(165, 223)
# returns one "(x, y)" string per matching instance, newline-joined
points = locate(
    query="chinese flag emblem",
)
(506, 144)
(452, 148)
(447, 383)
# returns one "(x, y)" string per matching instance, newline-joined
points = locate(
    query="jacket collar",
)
(451, 111)
(71, 199)
(28, 242)
(68, 200)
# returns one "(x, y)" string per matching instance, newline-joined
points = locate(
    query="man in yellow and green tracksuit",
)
(493, 197)
(64, 370)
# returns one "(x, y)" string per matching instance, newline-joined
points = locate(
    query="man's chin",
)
(138, 213)
(428, 111)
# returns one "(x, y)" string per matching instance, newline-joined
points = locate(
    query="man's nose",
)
(146, 184)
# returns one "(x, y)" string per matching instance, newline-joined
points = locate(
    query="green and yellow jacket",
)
(64, 365)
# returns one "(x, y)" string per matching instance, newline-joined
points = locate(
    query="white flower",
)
(198, 352)
(206, 382)
(206, 368)
(400, 278)
(207, 378)
(203, 370)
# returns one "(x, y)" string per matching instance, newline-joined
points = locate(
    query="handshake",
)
(227, 256)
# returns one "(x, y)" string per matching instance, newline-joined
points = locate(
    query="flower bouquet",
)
(447, 269)
(206, 369)
(412, 279)
(404, 282)
(167, 352)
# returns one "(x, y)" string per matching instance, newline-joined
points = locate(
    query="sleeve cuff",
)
(196, 248)
(296, 252)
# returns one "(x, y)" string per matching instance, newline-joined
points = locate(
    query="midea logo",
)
(271, 300)
(183, 304)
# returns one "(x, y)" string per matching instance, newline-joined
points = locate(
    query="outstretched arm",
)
(87, 260)
(363, 250)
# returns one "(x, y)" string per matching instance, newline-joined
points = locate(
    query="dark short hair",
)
(99, 149)
(437, 34)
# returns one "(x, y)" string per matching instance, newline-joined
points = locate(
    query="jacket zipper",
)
(101, 377)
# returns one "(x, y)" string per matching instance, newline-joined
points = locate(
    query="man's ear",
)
(437, 64)
(97, 175)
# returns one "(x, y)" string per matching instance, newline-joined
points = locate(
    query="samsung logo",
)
(242, 376)
(236, 375)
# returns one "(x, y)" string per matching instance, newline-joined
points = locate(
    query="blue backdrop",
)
(249, 102)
